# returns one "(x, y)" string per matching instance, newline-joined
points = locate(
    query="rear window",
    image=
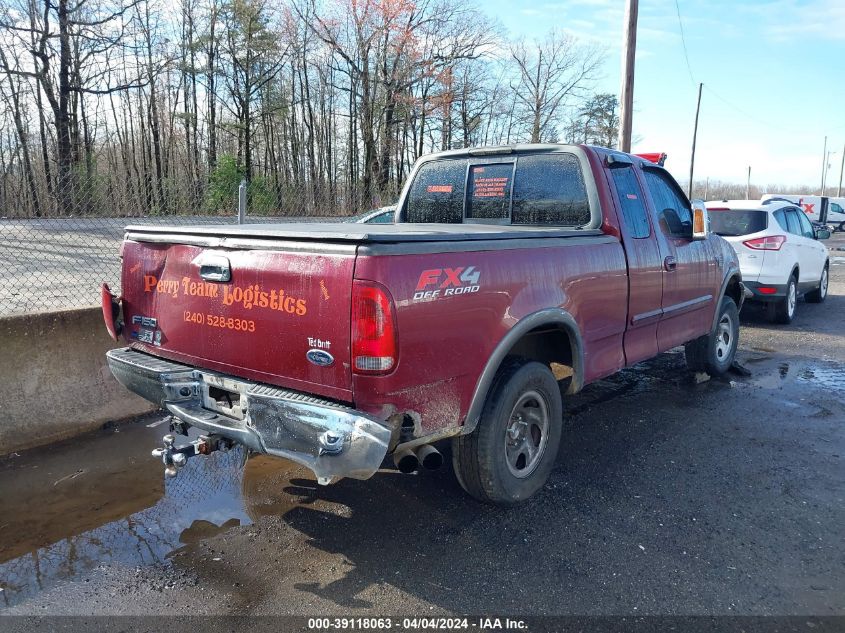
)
(535, 189)
(734, 223)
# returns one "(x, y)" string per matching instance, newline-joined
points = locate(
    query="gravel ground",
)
(669, 498)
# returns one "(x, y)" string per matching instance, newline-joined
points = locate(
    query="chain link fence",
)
(59, 262)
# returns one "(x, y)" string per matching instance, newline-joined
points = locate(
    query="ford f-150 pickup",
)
(511, 277)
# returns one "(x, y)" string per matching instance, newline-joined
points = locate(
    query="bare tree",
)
(550, 73)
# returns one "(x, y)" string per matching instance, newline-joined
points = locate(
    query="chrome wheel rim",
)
(526, 434)
(823, 284)
(791, 299)
(724, 338)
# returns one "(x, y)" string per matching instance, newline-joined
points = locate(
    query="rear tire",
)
(714, 353)
(510, 454)
(784, 310)
(820, 294)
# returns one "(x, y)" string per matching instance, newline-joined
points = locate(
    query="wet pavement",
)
(726, 497)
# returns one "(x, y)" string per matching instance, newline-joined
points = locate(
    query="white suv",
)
(778, 249)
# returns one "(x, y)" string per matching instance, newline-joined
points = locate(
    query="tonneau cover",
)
(362, 233)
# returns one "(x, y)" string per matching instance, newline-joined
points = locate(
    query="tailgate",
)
(277, 312)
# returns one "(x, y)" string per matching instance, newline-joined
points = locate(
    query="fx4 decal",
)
(447, 282)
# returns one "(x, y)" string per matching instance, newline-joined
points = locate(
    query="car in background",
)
(780, 256)
(382, 215)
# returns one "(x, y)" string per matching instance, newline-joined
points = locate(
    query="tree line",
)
(129, 107)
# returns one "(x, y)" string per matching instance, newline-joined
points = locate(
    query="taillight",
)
(111, 311)
(373, 329)
(768, 243)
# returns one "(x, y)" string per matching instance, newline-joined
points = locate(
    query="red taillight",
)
(111, 311)
(767, 290)
(768, 243)
(373, 329)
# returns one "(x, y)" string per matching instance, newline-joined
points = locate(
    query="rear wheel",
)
(715, 352)
(510, 454)
(784, 310)
(820, 294)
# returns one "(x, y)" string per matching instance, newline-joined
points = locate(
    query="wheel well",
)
(795, 273)
(734, 291)
(550, 345)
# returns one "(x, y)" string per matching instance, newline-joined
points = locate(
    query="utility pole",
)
(748, 185)
(629, 48)
(694, 135)
(824, 163)
(841, 168)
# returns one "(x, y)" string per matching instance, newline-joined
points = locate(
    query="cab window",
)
(631, 200)
(671, 205)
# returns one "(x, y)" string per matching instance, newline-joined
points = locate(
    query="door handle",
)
(669, 263)
(214, 267)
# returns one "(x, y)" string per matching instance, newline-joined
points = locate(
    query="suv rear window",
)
(734, 223)
(544, 189)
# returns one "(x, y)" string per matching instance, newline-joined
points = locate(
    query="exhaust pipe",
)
(429, 457)
(406, 461)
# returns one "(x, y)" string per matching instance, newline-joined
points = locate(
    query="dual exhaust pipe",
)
(409, 461)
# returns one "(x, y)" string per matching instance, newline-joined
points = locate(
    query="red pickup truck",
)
(511, 277)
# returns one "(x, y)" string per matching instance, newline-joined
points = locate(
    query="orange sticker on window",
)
(439, 189)
(631, 196)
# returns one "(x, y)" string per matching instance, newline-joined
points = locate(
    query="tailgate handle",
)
(215, 268)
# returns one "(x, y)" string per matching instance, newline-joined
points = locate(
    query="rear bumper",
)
(754, 293)
(329, 439)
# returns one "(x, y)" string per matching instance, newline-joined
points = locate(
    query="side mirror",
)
(822, 234)
(700, 221)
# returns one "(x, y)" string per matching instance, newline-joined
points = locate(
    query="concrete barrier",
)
(54, 382)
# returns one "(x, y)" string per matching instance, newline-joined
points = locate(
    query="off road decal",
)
(249, 297)
(447, 282)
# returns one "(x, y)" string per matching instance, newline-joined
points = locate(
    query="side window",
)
(806, 227)
(631, 199)
(672, 207)
(836, 208)
(792, 222)
(550, 190)
(780, 216)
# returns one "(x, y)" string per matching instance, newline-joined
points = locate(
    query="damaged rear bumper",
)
(331, 440)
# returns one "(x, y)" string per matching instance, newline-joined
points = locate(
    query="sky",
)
(773, 75)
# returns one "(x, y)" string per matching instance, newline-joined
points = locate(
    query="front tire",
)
(714, 353)
(784, 310)
(820, 294)
(510, 454)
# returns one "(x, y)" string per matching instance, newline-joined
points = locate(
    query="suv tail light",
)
(373, 329)
(768, 243)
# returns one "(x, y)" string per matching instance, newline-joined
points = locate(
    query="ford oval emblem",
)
(319, 357)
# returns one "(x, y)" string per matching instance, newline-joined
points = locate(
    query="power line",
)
(755, 119)
(684, 43)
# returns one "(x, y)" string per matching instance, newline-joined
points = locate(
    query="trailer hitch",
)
(175, 458)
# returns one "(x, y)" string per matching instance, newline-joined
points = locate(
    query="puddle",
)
(770, 373)
(58, 526)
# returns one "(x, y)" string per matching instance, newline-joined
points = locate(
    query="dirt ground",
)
(669, 498)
